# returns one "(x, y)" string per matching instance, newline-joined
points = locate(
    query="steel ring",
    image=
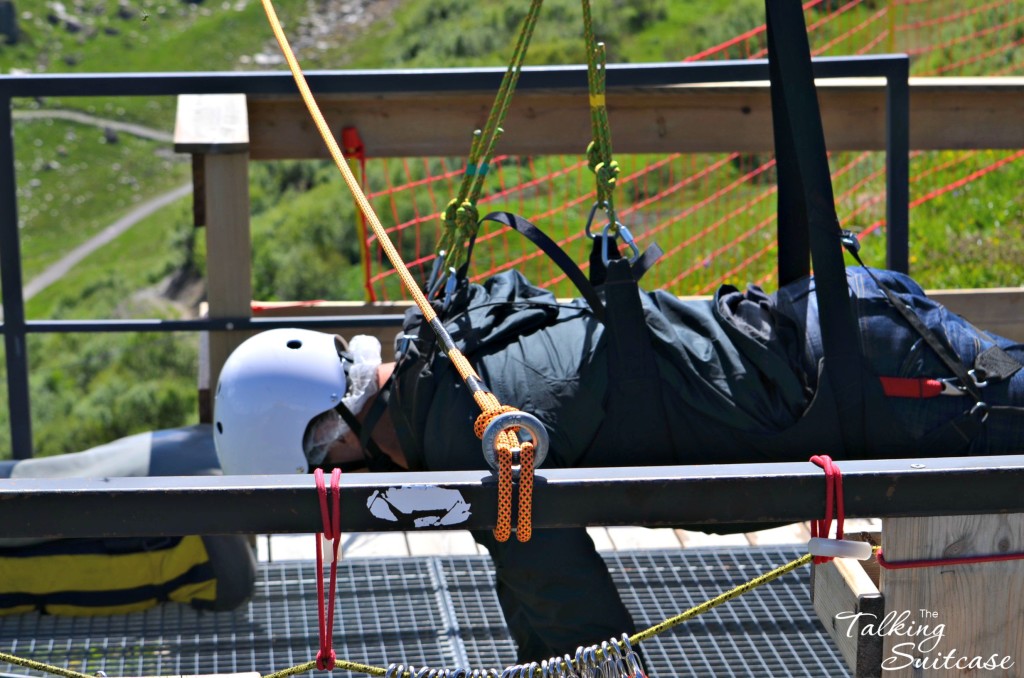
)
(507, 420)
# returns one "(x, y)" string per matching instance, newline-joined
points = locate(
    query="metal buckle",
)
(952, 386)
(590, 218)
(507, 420)
(849, 240)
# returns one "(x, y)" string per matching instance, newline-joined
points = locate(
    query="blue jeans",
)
(894, 349)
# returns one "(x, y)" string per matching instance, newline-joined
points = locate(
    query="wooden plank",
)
(846, 601)
(999, 310)
(634, 538)
(386, 335)
(228, 251)
(959, 612)
(211, 123)
(962, 113)
(946, 113)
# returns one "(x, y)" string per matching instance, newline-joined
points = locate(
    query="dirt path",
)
(86, 119)
(58, 269)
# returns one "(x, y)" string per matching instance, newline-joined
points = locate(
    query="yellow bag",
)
(113, 576)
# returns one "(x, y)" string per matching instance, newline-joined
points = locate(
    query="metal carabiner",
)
(627, 238)
(590, 218)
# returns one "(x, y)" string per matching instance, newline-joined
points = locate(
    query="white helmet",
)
(270, 389)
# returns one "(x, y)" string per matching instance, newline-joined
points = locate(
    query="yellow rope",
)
(339, 665)
(346, 171)
(39, 666)
(718, 600)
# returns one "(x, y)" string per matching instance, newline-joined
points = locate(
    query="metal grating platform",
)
(442, 611)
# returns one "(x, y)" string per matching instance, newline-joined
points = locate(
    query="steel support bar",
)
(424, 80)
(210, 324)
(897, 169)
(708, 497)
(15, 350)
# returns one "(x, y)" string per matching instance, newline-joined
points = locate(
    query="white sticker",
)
(419, 506)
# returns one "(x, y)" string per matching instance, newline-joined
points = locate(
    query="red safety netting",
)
(713, 214)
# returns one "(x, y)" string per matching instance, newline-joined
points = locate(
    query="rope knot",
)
(325, 663)
(485, 418)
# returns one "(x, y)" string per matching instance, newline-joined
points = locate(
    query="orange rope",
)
(506, 441)
(489, 404)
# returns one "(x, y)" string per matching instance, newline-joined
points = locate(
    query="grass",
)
(150, 36)
(75, 181)
(90, 388)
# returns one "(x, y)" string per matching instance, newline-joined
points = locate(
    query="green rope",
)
(599, 151)
(456, 227)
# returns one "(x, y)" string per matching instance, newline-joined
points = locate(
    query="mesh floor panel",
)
(443, 612)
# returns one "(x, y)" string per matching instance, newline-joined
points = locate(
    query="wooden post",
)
(846, 599)
(956, 620)
(215, 129)
(228, 251)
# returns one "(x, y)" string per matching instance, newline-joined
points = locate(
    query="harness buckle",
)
(952, 386)
(849, 241)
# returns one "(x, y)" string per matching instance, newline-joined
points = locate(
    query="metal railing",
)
(893, 68)
(763, 493)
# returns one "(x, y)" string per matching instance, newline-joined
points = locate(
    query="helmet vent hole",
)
(294, 344)
(220, 427)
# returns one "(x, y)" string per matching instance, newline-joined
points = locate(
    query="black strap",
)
(556, 254)
(375, 458)
(953, 364)
(634, 383)
(807, 205)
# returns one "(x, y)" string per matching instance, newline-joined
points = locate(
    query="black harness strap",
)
(807, 205)
(953, 364)
(634, 384)
(556, 254)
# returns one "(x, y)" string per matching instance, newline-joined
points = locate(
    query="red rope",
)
(833, 488)
(332, 530)
(966, 560)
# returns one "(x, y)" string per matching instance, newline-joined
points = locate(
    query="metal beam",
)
(421, 80)
(711, 496)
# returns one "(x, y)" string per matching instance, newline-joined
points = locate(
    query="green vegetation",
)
(75, 179)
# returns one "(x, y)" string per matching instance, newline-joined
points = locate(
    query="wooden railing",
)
(224, 132)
